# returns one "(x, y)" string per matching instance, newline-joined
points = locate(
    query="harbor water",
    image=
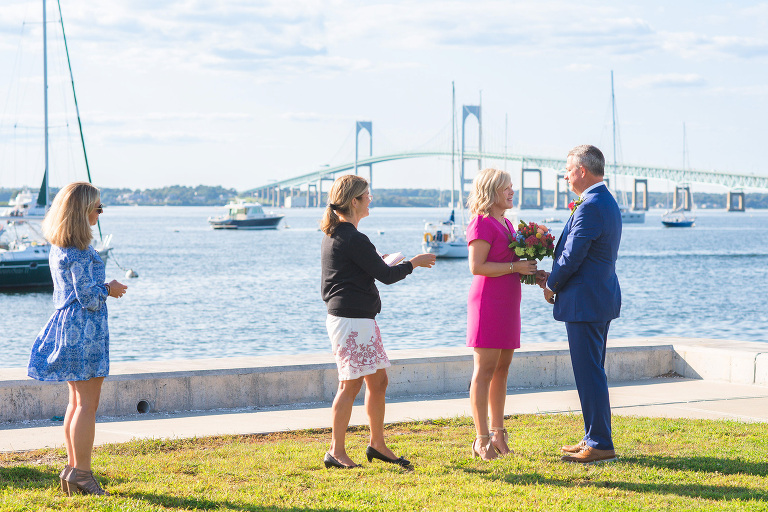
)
(204, 294)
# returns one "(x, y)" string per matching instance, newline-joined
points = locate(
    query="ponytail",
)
(343, 191)
(330, 220)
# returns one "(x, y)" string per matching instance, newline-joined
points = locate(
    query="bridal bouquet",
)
(532, 242)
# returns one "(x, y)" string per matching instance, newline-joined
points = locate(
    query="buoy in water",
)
(131, 273)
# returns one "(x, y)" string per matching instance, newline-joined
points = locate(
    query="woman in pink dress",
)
(493, 309)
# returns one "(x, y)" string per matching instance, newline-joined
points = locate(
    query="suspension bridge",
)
(309, 186)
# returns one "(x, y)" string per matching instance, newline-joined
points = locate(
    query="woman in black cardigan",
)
(350, 265)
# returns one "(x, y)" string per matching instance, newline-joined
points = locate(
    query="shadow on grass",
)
(690, 490)
(689, 464)
(704, 464)
(186, 503)
(27, 478)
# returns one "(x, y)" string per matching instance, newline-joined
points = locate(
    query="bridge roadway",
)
(731, 181)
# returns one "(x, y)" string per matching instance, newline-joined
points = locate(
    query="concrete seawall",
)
(207, 384)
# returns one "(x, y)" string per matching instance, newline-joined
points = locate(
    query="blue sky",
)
(237, 93)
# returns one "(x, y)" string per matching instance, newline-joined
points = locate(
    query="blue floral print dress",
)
(74, 344)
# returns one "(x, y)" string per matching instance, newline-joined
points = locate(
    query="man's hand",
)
(549, 295)
(541, 278)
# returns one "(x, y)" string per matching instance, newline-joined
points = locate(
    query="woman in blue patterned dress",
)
(74, 344)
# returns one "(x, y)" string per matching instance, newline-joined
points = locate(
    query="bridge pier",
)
(682, 198)
(641, 204)
(466, 111)
(735, 201)
(525, 190)
(312, 197)
(563, 194)
(360, 126)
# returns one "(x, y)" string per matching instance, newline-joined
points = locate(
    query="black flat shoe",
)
(372, 453)
(331, 462)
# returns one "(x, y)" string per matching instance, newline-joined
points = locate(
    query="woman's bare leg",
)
(498, 396)
(375, 393)
(71, 406)
(341, 412)
(82, 427)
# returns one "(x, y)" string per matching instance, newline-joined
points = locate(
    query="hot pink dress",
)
(493, 307)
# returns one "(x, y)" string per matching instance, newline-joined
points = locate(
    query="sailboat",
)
(23, 249)
(447, 239)
(677, 217)
(627, 215)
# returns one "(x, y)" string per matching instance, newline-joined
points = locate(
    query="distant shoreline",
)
(203, 195)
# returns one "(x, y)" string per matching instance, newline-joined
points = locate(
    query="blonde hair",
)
(66, 223)
(343, 191)
(485, 189)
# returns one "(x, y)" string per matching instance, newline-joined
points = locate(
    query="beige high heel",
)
(63, 477)
(83, 482)
(485, 451)
(500, 444)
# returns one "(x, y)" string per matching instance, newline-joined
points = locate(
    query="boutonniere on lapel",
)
(575, 204)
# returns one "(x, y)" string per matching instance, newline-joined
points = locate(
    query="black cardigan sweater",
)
(350, 264)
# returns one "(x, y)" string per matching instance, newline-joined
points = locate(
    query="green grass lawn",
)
(665, 465)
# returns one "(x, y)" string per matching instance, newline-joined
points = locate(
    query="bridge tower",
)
(537, 190)
(563, 194)
(360, 126)
(466, 111)
(640, 197)
(682, 198)
(735, 201)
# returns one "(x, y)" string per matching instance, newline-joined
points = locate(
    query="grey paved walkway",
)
(661, 397)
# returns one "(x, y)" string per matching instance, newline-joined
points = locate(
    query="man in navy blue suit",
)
(585, 292)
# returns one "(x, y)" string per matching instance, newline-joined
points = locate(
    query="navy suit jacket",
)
(584, 272)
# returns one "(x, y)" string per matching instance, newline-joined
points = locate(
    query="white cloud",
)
(164, 137)
(667, 80)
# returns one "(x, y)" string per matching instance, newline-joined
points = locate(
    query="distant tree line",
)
(204, 195)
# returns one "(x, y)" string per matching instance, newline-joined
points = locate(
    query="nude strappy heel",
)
(485, 451)
(500, 438)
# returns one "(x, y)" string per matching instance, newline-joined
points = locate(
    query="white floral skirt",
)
(357, 346)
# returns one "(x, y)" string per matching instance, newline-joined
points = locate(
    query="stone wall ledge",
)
(268, 381)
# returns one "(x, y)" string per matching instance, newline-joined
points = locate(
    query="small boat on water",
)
(23, 256)
(631, 217)
(25, 207)
(445, 239)
(677, 219)
(243, 215)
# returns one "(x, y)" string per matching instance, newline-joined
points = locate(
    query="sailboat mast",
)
(45, 99)
(613, 120)
(506, 128)
(453, 141)
(77, 108)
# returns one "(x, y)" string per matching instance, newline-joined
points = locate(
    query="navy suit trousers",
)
(587, 341)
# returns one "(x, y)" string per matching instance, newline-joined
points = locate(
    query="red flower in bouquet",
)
(532, 242)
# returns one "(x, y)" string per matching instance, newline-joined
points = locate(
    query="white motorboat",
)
(631, 217)
(24, 206)
(244, 215)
